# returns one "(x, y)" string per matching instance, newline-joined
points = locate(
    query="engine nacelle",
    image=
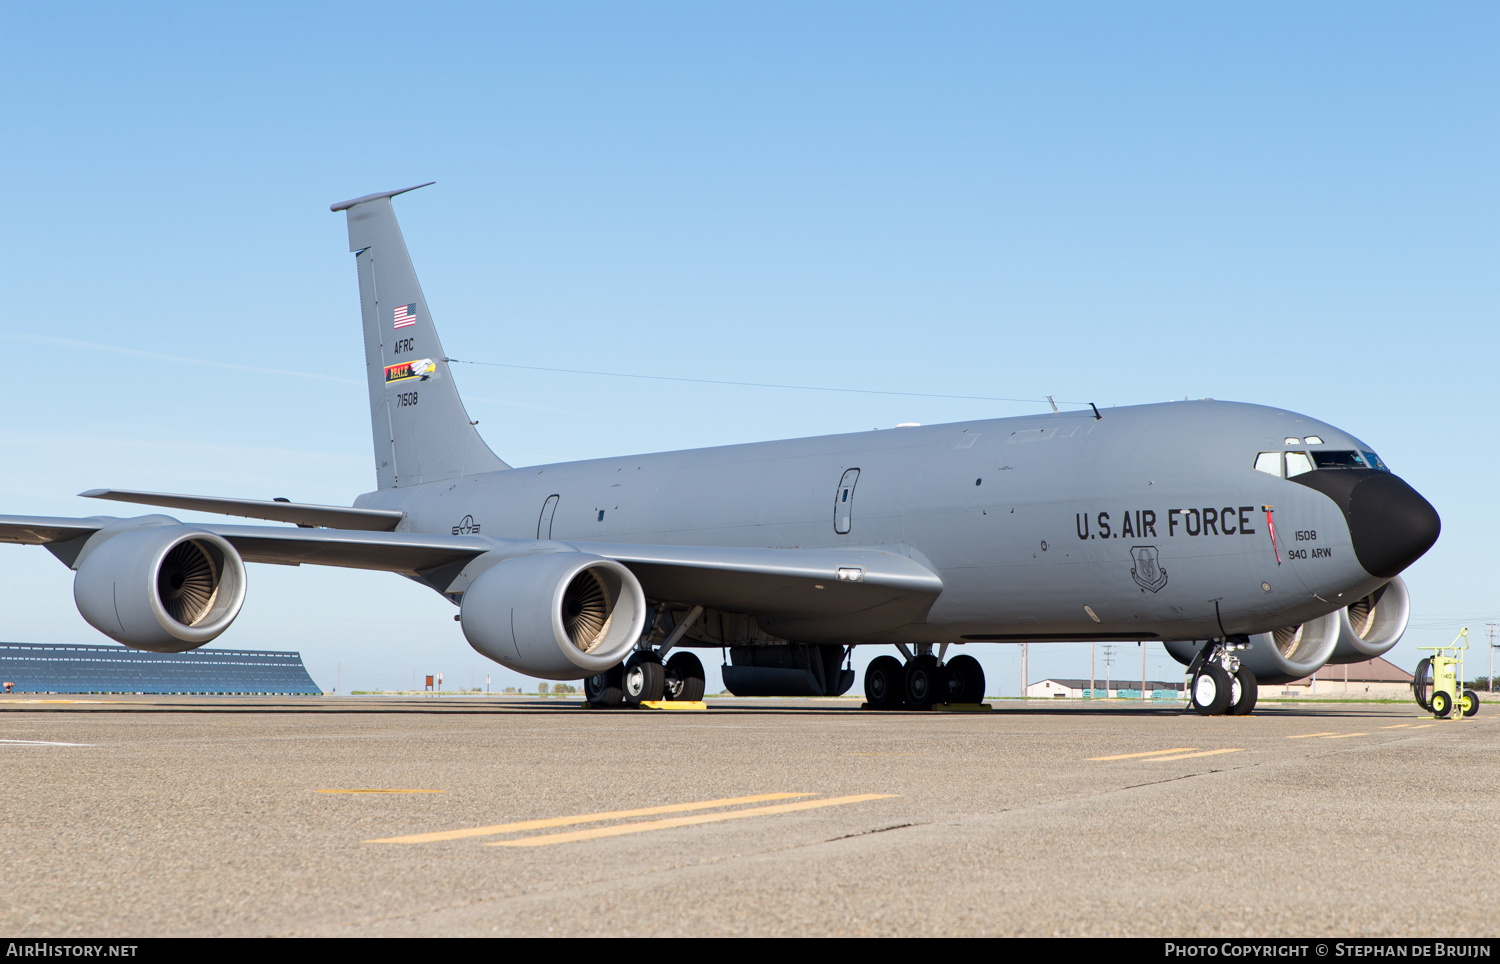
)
(1281, 656)
(165, 589)
(1369, 627)
(555, 615)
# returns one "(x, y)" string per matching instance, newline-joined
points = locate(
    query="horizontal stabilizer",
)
(346, 205)
(330, 516)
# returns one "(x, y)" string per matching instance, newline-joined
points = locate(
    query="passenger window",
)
(1269, 463)
(1339, 460)
(1297, 463)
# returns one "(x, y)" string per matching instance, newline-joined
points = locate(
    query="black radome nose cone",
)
(1390, 524)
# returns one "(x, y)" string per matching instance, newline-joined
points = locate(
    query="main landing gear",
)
(922, 681)
(644, 678)
(1218, 684)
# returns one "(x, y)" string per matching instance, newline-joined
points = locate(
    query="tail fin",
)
(422, 432)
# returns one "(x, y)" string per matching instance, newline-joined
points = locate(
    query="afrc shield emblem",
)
(1148, 573)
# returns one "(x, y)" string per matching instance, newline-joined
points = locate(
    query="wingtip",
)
(346, 205)
(94, 494)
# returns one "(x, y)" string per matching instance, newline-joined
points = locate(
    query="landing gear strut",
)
(1218, 684)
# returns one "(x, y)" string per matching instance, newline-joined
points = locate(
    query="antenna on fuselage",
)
(1097, 416)
(1052, 403)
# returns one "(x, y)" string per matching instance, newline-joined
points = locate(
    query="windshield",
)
(1344, 460)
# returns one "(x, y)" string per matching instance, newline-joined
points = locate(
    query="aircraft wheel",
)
(1470, 702)
(924, 679)
(644, 678)
(885, 683)
(1210, 690)
(1442, 705)
(684, 678)
(966, 680)
(1420, 686)
(1243, 690)
(605, 690)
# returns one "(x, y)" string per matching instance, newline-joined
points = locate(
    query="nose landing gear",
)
(1218, 684)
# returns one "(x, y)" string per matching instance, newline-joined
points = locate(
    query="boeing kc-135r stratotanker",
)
(1255, 543)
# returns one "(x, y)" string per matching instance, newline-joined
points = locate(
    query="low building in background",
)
(41, 668)
(1055, 688)
(1376, 678)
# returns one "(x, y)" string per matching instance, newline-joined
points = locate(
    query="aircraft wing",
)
(38, 530)
(800, 582)
(799, 590)
(803, 594)
(273, 510)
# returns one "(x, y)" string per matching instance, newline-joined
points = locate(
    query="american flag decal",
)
(406, 316)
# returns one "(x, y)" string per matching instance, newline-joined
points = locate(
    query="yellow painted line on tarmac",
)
(1343, 735)
(1424, 726)
(546, 822)
(1395, 726)
(379, 790)
(1132, 756)
(1303, 736)
(594, 833)
(1192, 756)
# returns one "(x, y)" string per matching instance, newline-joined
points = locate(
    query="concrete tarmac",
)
(144, 816)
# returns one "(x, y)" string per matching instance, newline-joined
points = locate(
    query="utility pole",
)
(1024, 672)
(1491, 681)
(1142, 645)
(1091, 669)
(1109, 661)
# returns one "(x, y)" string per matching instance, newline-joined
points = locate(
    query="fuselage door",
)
(544, 521)
(843, 502)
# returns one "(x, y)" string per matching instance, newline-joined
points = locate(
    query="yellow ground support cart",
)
(1437, 683)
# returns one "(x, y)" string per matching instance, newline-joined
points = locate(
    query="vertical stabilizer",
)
(422, 432)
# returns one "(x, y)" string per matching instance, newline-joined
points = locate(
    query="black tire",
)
(605, 690)
(966, 678)
(1421, 683)
(1242, 703)
(1209, 692)
(644, 679)
(684, 678)
(1442, 705)
(1470, 703)
(924, 682)
(885, 683)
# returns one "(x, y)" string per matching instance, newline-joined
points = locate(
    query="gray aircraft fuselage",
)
(1148, 523)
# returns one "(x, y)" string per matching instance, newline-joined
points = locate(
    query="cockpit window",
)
(1339, 460)
(1269, 463)
(1297, 463)
(1373, 461)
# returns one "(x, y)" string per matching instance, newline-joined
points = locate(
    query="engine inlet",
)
(586, 608)
(187, 582)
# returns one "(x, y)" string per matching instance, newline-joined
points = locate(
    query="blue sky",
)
(1281, 203)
